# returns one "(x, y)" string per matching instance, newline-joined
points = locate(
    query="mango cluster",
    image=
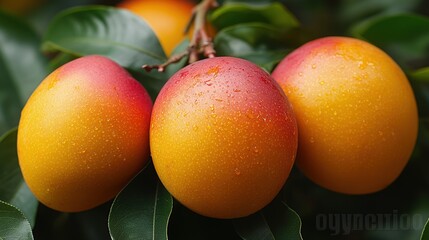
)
(223, 133)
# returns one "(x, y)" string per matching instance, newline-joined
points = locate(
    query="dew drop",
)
(255, 149)
(311, 139)
(237, 171)
(313, 66)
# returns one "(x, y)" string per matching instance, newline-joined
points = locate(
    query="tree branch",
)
(200, 42)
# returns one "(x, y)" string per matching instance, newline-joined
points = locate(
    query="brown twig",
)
(200, 42)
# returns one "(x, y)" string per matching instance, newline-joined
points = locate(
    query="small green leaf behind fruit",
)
(142, 209)
(404, 36)
(13, 224)
(259, 43)
(13, 189)
(275, 222)
(253, 227)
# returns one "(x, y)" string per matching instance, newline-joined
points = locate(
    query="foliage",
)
(261, 31)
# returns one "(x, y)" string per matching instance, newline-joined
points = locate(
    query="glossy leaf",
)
(13, 189)
(256, 42)
(405, 36)
(108, 31)
(276, 221)
(22, 67)
(13, 224)
(142, 209)
(425, 232)
(274, 14)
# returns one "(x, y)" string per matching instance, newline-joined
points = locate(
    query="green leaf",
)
(22, 67)
(253, 227)
(404, 36)
(425, 232)
(353, 10)
(142, 209)
(173, 68)
(13, 224)
(59, 60)
(284, 222)
(115, 33)
(256, 42)
(276, 221)
(421, 75)
(275, 15)
(13, 189)
(154, 81)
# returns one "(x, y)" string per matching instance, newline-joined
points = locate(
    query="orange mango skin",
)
(223, 137)
(356, 113)
(167, 18)
(83, 134)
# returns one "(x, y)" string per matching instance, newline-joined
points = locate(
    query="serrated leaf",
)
(256, 42)
(22, 67)
(13, 224)
(112, 32)
(425, 232)
(277, 221)
(421, 75)
(13, 188)
(405, 36)
(142, 209)
(274, 14)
